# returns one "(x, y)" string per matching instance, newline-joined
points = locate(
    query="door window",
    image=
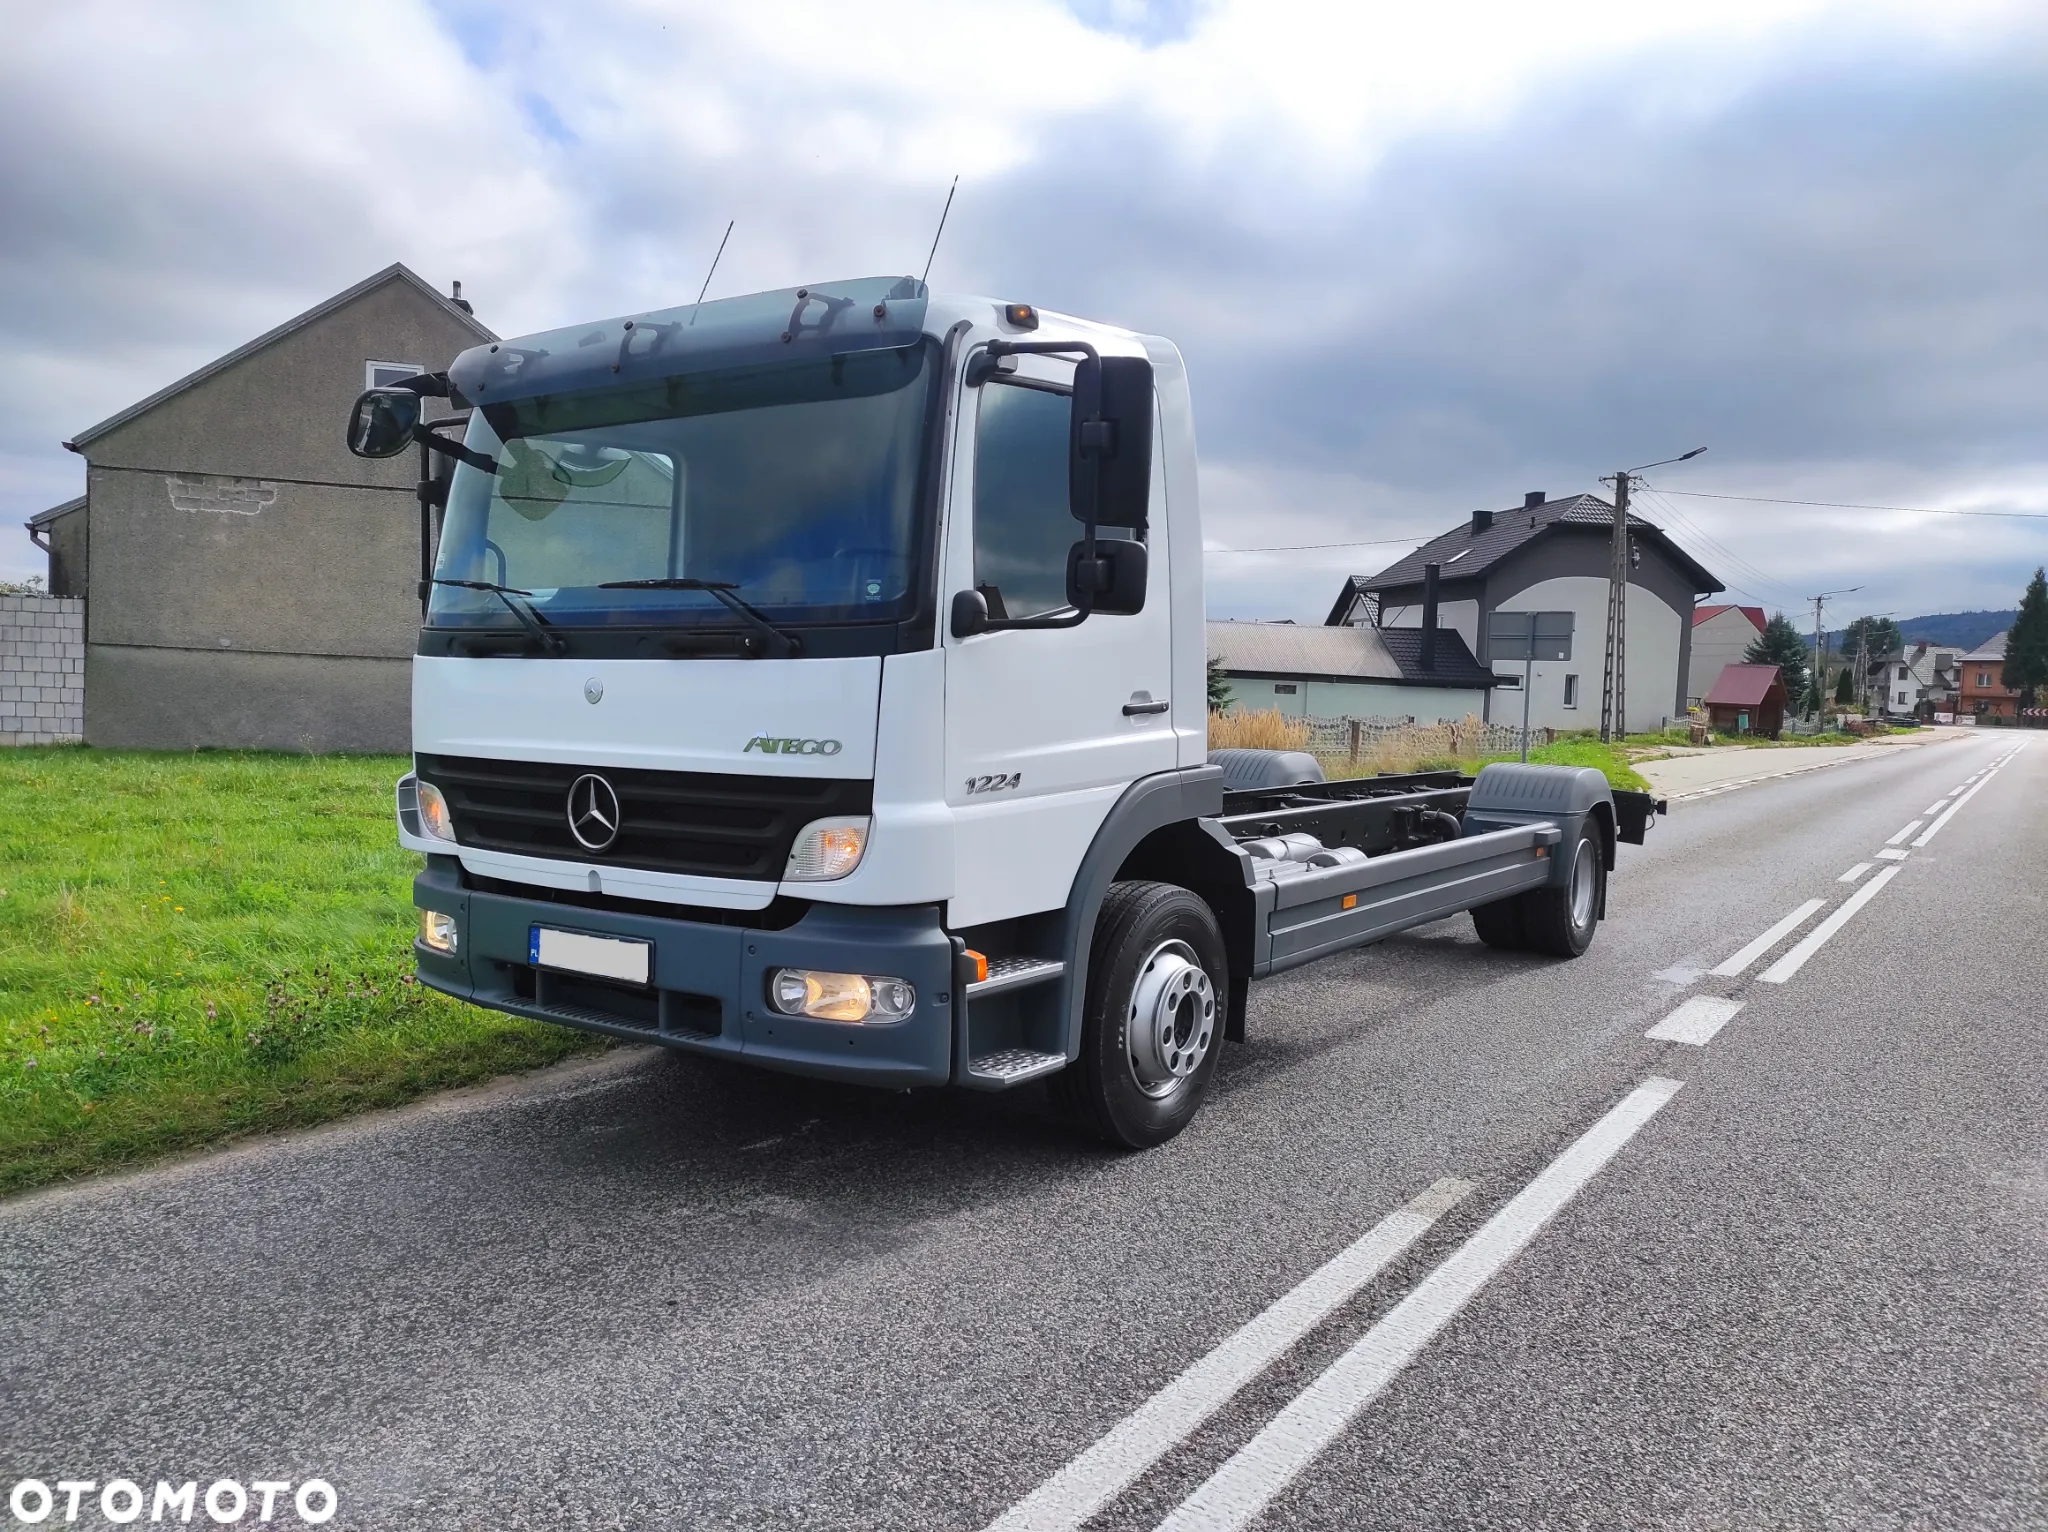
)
(1022, 524)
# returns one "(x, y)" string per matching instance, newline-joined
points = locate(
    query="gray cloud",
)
(1817, 253)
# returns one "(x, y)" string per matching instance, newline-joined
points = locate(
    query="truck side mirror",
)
(384, 422)
(970, 613)
(1110, 446)
(1113, 581)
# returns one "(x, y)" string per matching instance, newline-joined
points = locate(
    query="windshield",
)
(796, 483)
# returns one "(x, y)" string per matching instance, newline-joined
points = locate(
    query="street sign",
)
(1529, 636)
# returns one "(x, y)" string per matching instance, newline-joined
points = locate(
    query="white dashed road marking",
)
(1740, 962)
(1235, 1494)
(1894, 853)
(1165, 1420)
(1855, 872)
(1794, 960)
(1900, 835)
(1696, 1021)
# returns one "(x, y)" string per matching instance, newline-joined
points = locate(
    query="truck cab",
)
(809, 678)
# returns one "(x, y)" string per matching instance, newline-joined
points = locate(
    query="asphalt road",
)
(1802, 1290)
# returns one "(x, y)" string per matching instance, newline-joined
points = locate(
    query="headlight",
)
(434, 816)
(437, 931)
(840, 996)
(824, 849)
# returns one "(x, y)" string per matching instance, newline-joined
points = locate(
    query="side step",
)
(1002, 1068)
(1015, 973)
(1012, 1066)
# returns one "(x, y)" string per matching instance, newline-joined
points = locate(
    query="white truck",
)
(816, 679)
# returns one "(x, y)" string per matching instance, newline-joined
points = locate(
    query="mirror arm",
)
(424, 435)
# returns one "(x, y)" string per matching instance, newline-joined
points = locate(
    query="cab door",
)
(1045, 728)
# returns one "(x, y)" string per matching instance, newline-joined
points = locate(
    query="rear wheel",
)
(1561, 921)
(1499, 924)
(1158, 987)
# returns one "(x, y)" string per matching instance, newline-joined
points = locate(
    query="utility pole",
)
(1614, 682)
(1819, 651)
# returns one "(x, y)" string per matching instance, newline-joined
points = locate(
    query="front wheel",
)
(1152, 1027)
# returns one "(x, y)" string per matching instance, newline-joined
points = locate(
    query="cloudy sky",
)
(1421, 258)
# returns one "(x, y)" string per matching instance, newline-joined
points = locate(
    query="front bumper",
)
(710, 981)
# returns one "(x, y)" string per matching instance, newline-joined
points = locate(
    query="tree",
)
(1782, 645)
(2026, 642)
(1845, 686)
(1219, 685)
(1878, 635)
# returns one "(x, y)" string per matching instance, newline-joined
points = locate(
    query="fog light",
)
(434, 816)
(437, 930)
(852, 997)
(827, 849)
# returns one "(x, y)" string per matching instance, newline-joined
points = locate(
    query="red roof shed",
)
(1748, 699)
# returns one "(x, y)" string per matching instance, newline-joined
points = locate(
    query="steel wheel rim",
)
(1582, 887)
(1172, 1020)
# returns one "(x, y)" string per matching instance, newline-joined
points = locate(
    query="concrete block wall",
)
(42, 670)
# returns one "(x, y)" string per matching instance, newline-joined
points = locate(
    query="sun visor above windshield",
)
(795, 323)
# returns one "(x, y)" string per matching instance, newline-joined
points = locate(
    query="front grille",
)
(709, 823)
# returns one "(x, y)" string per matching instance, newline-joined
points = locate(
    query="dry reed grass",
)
(1269, 729)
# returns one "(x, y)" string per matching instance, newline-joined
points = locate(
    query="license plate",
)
(605, 957)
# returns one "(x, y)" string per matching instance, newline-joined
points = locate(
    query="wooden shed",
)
(1748, 699)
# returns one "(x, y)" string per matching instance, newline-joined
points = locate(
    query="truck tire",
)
(1153, 1020)
(1499, 924)
(1561, 921)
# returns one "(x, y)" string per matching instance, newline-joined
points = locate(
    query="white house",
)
(1347, 672)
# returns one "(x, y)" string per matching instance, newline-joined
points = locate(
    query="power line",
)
(1786, 596)
(1846, 505)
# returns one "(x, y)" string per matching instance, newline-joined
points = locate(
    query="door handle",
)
(1141, 703)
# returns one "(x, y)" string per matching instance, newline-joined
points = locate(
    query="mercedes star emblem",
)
(593, 691)
(593, 812)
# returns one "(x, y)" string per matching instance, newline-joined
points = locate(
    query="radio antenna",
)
(714, 266)
(941, 229)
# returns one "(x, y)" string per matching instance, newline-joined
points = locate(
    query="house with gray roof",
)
(1347, 672)
(247, 580)
(1548, 555)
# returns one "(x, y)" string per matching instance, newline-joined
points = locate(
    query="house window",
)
(1983, 678)
(389, 374)
(1508, 683)
(1902, 672)
(1571, 691)
(1284, 688)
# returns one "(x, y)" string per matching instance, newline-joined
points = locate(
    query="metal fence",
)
(1358, 738)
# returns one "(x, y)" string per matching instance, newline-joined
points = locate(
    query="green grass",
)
(195, 947)
(1582, 752)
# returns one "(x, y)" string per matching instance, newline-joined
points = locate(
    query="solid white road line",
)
(1794, 960)
(1167, 1419)
(1696, 1021)
(1902, 834)
(1934, 829)
(1777, 933)
(1894, 853)
(1232, 1496)
(1855, 872)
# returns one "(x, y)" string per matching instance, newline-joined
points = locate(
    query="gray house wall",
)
(67, 540)
(1569, 552)
(251, 583)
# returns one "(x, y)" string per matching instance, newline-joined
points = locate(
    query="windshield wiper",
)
(529, 619)
(777, 644)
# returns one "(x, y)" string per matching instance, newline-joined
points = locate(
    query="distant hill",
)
(1951, 630)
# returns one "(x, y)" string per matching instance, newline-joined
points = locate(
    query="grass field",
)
(194, 947)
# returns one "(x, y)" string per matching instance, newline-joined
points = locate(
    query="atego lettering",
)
(769, 744)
